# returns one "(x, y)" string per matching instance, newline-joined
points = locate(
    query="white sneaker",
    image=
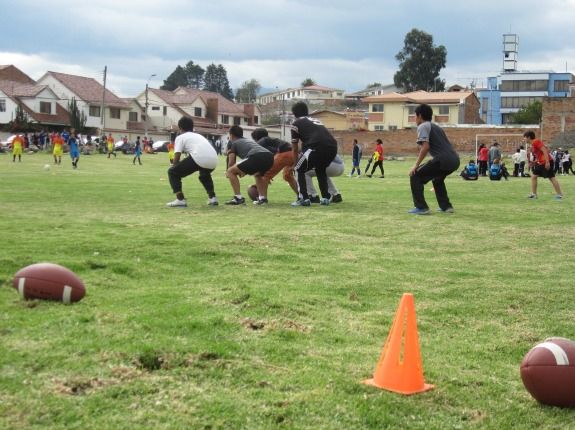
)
(213, 201)
(177, 204)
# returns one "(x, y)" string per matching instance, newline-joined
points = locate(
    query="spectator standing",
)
(482, 158)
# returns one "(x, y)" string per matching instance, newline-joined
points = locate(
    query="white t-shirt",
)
(199, 149)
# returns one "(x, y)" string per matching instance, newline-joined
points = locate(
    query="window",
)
(155, 107)
(198, 111)
(532, 85)
(379, 128)
(95, 111)
(165, 110)
(484, 104)
(133, 116)
(45, 107)
(561, 86)
(225, 119)
(377, 107)
(115, 113)
(518, 102)
(411, 110)
(443, 110)
(256, 119)
(237, 120)
(2, 105)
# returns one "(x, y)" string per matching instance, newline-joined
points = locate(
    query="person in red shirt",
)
(542, 165)
(379, 161)
(482, 157)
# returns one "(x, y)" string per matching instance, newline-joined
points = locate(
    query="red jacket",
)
(483, 154)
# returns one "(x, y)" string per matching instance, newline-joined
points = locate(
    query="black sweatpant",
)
(430, 171)
(375, 165)
(186, 167)
(317, 159)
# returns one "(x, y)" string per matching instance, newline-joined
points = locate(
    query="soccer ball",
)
(47, 167)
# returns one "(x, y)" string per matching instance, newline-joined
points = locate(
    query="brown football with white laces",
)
(48, 281)
(548, 372)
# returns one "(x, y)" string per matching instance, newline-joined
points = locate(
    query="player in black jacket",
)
(318, 150)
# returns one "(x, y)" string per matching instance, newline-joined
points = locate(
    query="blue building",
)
(512, 90)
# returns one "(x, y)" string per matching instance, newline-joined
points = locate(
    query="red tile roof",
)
(420, 97)
(88, 89)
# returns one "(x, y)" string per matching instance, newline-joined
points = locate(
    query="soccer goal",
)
(509, 142)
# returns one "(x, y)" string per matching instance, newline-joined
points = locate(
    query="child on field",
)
(470, 172)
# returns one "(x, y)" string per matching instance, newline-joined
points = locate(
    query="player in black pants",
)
(319, 148)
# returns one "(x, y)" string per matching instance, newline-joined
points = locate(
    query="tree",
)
(420, 63)
(21, 122)
(307, 82)
(195, 75)
(374, 85)
(77, 118)
(178, 78)
(248, 92)
(216, 80)
(530, 114)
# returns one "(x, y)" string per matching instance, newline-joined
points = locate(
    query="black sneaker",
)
(314, 199)
(336, 198)
(261, 202)
(235, 201)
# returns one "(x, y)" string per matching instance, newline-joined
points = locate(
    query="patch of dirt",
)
(78, 386)
(253, 324)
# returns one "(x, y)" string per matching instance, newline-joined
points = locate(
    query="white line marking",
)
(66, 294)
(21, 283)
(560, 355)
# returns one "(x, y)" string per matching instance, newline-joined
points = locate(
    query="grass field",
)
(269, 317)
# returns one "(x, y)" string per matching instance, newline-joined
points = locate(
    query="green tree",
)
(178, 78)
(374, 85)
(21, 121)
(216, 80)
(530, 114)
(307, 82)
(420, 63)
(77, 118)
(248, 92)
(195, 75)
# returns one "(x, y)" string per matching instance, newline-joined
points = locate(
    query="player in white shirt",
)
(201, 158)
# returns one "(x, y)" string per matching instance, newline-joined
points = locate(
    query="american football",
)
(49, 281)
(548, 372)
(253, 192)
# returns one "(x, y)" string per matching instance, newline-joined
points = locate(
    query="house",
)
(39, 102)
(341, 121)
(90, 96)
(309, 94)
(212, 113)
(395, 111)
(373, 91)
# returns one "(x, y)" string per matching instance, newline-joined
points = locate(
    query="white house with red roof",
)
(310, 94)
(212, 113)
(89, 94)
(39, 102)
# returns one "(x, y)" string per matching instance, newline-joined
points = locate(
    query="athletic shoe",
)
(559, 197)
(369, 176)
(324, 202)
(177, 204)
(336, 198)
(314, 199)
(532, 196)
(213, 201)
(235, 201)
(418, 211)
(382, 176)
(301, 202)
(449, 210)
(261, 202)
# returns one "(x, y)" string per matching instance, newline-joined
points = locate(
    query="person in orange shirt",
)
(57, 151)
(171, 152)
(110, 142)
(541, 166)
(17, 145)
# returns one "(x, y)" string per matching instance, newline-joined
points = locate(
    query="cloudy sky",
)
(344, 44)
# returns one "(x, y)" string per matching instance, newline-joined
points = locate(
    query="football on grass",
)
(49, 281)
(253, 192)
(548, 372)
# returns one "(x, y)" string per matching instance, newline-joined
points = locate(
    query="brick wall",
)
(558, 122)
(402, 142)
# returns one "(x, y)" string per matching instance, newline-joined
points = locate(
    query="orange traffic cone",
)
(399, 368)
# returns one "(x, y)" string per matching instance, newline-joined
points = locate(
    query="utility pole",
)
(146, 107)
(102, 107)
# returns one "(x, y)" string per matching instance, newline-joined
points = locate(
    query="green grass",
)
(269, 317)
